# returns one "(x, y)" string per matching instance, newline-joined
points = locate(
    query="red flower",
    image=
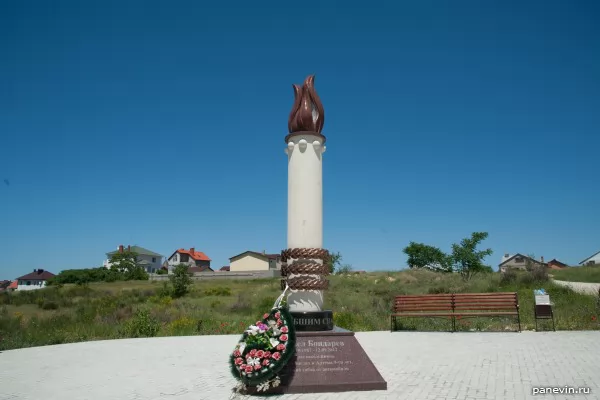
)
(258, 323)
(257, 367)
(252, 353)
(265, 362)
(265, 316)
(248, 369)
(283, 338)
(260, 354)
(239, 361)
(281, 347)
(276, 356)
(267, 354)
(277, 315)
(284, 329)
(241, 324)
(593, 317)
(459, 317)
(236, 353)
(279, 322)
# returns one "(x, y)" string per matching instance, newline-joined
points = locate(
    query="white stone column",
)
(305, 208)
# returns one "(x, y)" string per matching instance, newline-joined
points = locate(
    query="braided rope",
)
(320, 254)
(306, 283)
(304, 267)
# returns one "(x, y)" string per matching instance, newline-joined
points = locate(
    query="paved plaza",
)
(416, 365)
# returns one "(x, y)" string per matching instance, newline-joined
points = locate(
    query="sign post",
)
(542, 307)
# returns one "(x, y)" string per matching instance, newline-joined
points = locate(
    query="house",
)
(149, 260)
(254, 261)
(225, 268)
(191, 257)
(592, 260)
(13, 286)
(518, 261)
(34, 280)
(4, 285)
(555, 264)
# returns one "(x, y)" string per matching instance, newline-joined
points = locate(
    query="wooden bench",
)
(429, 305)
(456, 305)
(501, 304)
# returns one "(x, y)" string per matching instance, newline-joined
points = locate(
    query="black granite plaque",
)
(331, 361)
(312, 321)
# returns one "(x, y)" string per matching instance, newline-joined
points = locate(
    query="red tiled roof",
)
(225, 268)
(196, 255)
(13, 285)
(40, 275)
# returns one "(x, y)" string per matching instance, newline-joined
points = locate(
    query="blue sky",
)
(162, 124)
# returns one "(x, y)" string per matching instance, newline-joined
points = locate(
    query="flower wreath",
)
(264, 349)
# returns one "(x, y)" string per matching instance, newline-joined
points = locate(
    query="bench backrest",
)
(425, 302)
(485, 301)
(456, 301)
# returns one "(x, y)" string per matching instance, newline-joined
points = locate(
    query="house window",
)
(592, 262)
(28, 283)
(153, 259)
(175, 258)
(519, 260)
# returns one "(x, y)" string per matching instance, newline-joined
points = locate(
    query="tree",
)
(181, 280)
(334, 262)
(465, 257)
(428, 257)
(127, 263)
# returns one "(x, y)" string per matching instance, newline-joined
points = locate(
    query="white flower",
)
(253, 361)
(262, 387)
(272, 323)
(276, 381)
(276, 331)
(242, 347)
(253, 330)
(274, 342)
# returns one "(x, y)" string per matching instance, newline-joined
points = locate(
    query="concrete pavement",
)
(416, 365)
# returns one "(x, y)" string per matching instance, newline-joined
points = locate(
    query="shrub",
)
(180, 280)
(508, 277)
(141, 325)
(49, 305)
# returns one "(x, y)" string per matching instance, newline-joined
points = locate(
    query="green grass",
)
(360, 302)
(578, 274)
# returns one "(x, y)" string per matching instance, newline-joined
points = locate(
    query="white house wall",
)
(249, 262)
(35, 284)
(595, 259)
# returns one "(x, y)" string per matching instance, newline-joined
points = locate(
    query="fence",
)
(225, 275)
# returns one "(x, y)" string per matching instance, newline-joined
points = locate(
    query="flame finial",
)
(307, 113)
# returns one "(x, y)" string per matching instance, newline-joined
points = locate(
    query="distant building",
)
(196, 260)
(225, 268)
(4, 285)
(34, 280)
(254, 261)
(592, 260)
(555, 264)
(149, 260)
(518, 261)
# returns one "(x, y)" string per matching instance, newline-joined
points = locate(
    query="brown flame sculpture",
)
(307, 113)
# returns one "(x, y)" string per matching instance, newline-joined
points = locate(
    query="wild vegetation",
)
(464, 259)
(125, 267)
(578, 274)
(361, 302)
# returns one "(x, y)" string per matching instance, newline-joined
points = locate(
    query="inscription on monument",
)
(321, 356)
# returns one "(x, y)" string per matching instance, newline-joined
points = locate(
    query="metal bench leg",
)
(536, 329)
(553, 328)
(519, 319)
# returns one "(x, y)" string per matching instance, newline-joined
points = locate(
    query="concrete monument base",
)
(328, 361)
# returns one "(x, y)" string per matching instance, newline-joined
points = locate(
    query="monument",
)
(328, 358)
